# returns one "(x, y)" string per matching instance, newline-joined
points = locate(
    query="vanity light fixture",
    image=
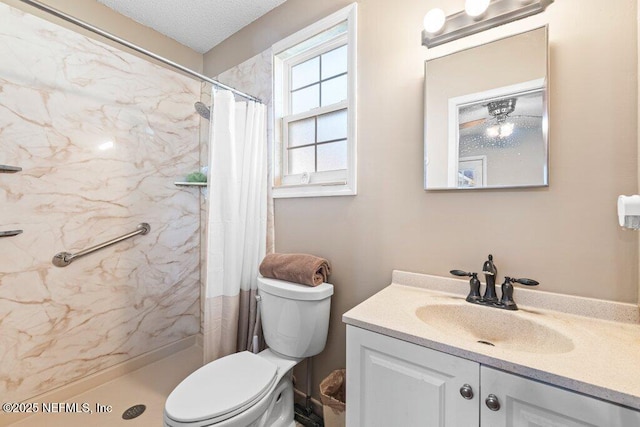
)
(476, 8)
(479, 15)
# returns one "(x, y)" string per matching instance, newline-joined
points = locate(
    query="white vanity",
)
(420, 356)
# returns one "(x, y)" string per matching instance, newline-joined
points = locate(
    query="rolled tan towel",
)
(298, 268)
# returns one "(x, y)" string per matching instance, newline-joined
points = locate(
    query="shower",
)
(148, 134)
(202, 109)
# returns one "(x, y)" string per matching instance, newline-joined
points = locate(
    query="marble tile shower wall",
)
(101, 136)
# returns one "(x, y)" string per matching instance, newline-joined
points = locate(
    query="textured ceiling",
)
(198, 24)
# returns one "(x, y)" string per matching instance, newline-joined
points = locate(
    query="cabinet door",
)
(528, 403)
(393, 383)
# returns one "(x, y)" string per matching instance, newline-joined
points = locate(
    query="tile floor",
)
(149, 385)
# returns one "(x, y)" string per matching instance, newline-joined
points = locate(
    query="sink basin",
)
(500, 328)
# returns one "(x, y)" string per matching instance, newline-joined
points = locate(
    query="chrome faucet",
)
(490, 298)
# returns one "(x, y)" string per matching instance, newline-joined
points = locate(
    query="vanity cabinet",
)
(393, 383)
(524, 402)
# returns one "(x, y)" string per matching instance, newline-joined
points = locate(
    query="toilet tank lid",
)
(294, 291)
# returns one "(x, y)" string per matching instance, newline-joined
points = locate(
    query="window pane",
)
(332, 126)
(305, 99)
(334, 62)
(302, 160)
(334, 90)
(306, 73)
(332, 156)
(302, 132)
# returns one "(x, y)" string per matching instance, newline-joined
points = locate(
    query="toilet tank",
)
(295, 318)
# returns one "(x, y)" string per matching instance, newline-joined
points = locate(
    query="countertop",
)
(604, 361)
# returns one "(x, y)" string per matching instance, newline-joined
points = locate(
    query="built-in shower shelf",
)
(190, 184)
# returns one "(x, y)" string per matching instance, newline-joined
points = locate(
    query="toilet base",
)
(280, 412)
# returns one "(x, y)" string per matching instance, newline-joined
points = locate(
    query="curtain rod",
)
(112, 37)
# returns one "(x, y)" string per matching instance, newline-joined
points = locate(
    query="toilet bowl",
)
(239, 390)
(246, 389)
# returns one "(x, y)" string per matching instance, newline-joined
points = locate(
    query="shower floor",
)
(149, 386)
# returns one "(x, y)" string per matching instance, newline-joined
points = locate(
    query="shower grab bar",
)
(10, 233)
(9, 169)
(62, 259)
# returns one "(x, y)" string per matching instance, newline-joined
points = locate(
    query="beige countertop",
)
(598, 355)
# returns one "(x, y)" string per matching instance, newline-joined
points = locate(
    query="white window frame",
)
(329, 183)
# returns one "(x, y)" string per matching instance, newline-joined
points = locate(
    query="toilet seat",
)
(222, 389)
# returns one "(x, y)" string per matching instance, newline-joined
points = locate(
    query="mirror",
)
(486, 115)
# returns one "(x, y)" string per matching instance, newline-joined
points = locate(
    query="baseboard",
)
(89, 382)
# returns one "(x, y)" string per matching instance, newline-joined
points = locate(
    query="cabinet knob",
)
(466, 391)
(492, 402)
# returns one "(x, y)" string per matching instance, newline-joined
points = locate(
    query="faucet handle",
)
(461, 273)
(474, 285)
(527, 282)
(507, 301)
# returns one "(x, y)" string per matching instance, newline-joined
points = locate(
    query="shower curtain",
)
(237, 224)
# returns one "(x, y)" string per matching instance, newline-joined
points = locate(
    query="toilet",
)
(246, 389)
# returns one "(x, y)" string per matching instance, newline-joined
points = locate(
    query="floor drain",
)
(133, 412)
(487, 343)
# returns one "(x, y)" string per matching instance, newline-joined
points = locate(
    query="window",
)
(315, 109)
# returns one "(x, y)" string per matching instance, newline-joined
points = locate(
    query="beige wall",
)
(106, 19)
(565, 236)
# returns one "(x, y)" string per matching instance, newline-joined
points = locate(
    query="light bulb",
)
(493, 132)
(476, 7)
(506, 130)
(434, 20)
(500, 131)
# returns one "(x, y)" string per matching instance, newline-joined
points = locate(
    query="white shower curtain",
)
(237, 224)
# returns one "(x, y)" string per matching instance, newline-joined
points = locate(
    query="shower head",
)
(203, 110)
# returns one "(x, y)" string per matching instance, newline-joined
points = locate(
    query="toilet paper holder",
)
(629, 212)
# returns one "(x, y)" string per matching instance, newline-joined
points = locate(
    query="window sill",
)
(325, 189)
